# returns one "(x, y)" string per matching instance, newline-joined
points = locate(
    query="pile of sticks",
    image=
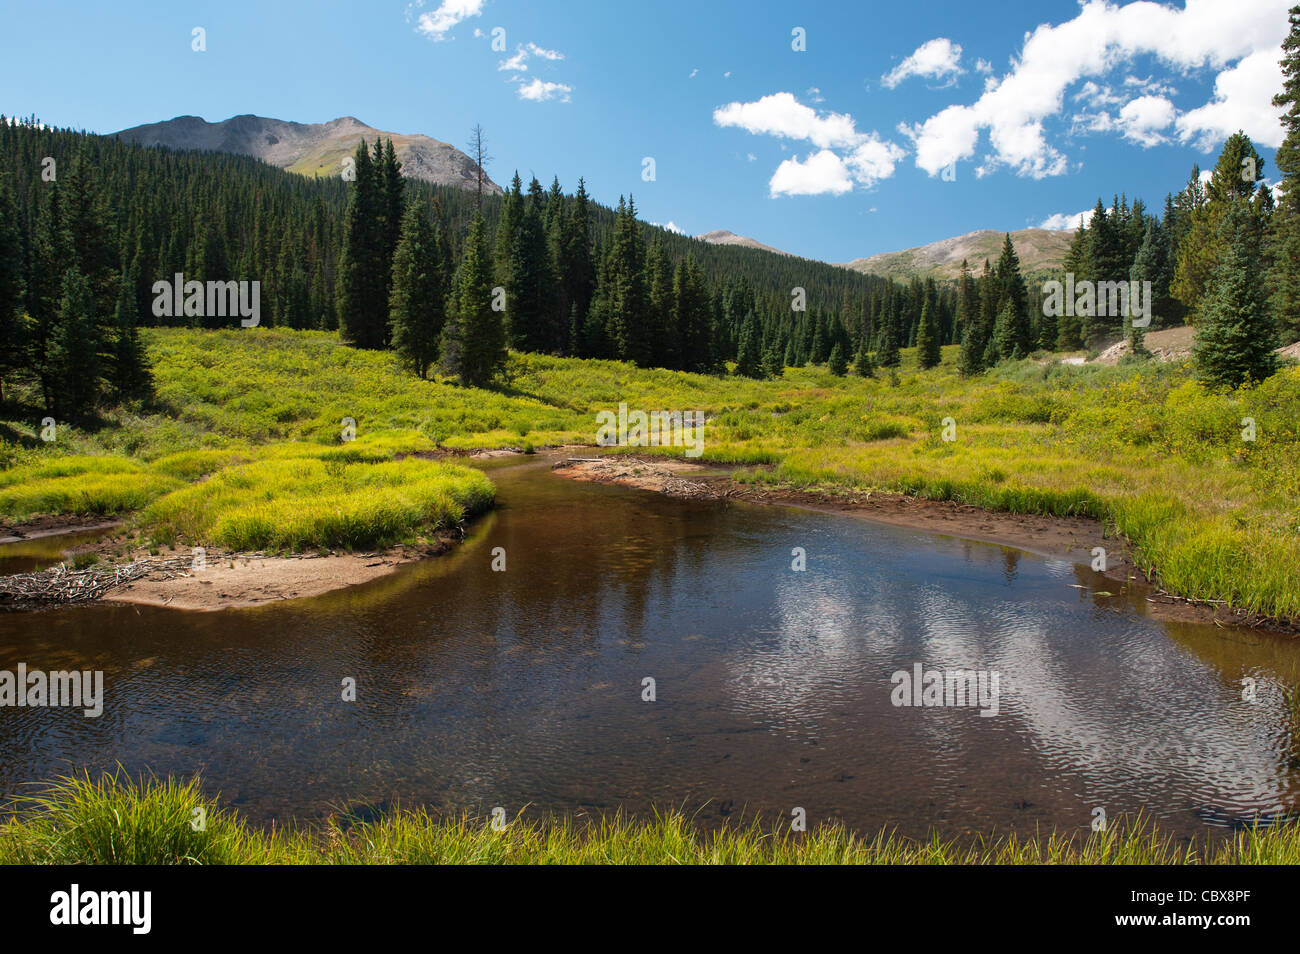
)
(62, 584)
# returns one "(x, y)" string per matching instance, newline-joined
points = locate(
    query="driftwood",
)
(62, 584)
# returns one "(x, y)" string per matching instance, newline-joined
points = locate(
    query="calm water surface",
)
(479, 689)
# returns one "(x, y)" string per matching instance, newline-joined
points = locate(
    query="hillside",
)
(312, 149)
(723, 237)
(1040, 250)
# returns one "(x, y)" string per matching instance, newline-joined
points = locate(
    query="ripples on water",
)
(478, 689)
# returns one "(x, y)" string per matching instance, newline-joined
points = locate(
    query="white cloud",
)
(820, 173)
(983, 66)
(523, 51)
(1062, 221)
(693, 72)
(1243, 99)
(935, 59)
(1100, 38)
(539, 91)
(863, 157)
(1143, 119)
(780, 114)
(517, 62)
(874, 159)
(436, 25)
(544, 53)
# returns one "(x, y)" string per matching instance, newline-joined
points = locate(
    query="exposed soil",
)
(227, 579)
(49, 526)
(250, 579)
(1072, 538)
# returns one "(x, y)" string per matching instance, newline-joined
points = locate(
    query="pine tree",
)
(773, 365)
(1201, 248)
(12, 286)
(863, 365)
(749, 357)
(474, 342)
(694, 318)
(417, 308)
(1012, 330)
(512, 214)
(835, 363)
(131, 375)
(530, 284)
(72, 351)
(362, 280)
(1235, 339)
(1284, 240)
(928, 353)
(630, 295)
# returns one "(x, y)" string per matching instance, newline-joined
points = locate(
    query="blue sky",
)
(835, 151)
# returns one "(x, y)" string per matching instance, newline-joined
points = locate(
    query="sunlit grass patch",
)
(297, 503)
(80, 485)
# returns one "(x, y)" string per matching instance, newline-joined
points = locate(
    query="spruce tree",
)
(836, 363)
(630, 295)
(863, 365)
(530, 283)
(417, 308)
(1284, 240)
(928, 353)
(131, 377)
(12, 286)
(749, 357)
(1234, 338)
(1013, 331)
(475, 338)
(1201, 249)
(362, 286)
(72, 349)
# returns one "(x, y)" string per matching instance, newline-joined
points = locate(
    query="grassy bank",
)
(117, 820)
(1142, 447)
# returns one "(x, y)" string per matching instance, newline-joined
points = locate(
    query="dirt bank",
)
(1071, 538)
(231, 580)
(169, 577)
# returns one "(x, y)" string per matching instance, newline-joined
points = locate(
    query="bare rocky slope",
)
(1040, 250)
(312, 149)
(723, 237)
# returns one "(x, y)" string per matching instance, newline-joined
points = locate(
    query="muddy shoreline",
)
(1072, 538)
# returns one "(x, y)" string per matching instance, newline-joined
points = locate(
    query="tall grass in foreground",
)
(119, 820)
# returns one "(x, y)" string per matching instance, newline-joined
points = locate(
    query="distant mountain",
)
(723, 237)
(1040, 250)
(312, 149)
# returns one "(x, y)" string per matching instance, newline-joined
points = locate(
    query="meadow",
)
(116, 819)
(244, 447)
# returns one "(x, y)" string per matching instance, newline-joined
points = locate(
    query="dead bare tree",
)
(478, 152)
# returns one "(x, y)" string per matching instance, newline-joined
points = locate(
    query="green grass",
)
(119, 820)
(1142, 447)
(295, 503)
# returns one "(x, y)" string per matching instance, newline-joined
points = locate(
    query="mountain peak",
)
(313, 149)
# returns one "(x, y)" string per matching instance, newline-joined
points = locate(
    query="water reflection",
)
(478, 688)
